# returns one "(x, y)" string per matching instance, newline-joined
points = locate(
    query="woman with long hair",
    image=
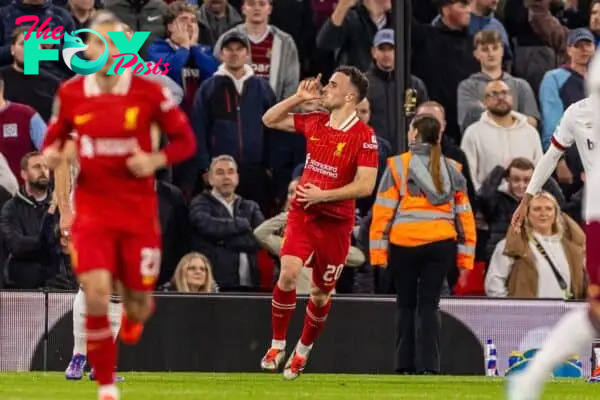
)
(543, 260)
(422, 227)
(193, 275)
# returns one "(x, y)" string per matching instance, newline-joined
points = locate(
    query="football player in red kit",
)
(115, 232)
(341, 165)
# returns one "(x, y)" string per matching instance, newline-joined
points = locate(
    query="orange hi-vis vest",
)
(405, 220)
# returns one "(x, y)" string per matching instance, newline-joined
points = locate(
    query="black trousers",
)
(418, 274)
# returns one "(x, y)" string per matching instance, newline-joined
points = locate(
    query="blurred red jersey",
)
(333, 156)
(108, 127)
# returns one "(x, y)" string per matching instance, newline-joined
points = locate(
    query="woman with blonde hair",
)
(193, 275)
(544, 260)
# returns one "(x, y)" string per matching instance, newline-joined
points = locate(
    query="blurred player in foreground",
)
(580, 125)
(341, 165)
(116, 233)
(64, 178)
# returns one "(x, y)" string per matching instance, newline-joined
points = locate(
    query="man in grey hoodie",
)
(489, 51)
(273, 52)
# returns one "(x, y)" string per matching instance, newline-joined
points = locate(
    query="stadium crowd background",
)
(497, 73)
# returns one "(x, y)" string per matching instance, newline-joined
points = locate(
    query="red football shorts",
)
(321, 243)
(132, 258)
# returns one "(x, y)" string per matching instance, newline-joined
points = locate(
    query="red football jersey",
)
(333, 156)
(108, 127)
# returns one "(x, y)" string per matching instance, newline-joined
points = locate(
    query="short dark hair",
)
(26, 157)
(520, 163)
(443, 3)
(593, 3)
(17, 33)
(357, 79)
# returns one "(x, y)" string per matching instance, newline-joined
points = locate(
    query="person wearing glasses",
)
(501, 134)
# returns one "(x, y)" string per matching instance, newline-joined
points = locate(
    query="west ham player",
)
(116, 233)
(580, 126)
(341, 165)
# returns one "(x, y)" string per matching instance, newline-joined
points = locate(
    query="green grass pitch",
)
(179, 386)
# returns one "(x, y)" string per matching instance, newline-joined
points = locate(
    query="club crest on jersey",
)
(10, 130)
(339, 148)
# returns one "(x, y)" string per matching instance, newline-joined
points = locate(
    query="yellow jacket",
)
(407, 220)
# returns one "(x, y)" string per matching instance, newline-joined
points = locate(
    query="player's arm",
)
(562, 139)
(62, 184)
(280, 116)
(58, 132)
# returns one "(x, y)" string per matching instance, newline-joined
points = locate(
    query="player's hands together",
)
(141, 164)
(310, 194)
(310, 89)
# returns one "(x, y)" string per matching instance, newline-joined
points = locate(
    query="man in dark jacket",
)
(222, 226)
(443, 57)
(174, 224)
(350, 30)
(36, 91)
(215, 18)
(21, 225)
(498, 204)
(43, 9)
(226, 118)
(382, 88)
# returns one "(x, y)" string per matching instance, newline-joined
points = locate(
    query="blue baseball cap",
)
(384, 36)
(579, 34)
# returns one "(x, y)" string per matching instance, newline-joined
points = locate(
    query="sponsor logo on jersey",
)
(111, 147)
(321, 168)
(372, 145)
(590, 145)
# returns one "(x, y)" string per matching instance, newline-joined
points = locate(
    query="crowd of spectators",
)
(497, 74)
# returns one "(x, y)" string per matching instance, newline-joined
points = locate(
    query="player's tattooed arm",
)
(280, 115)
(62, 186)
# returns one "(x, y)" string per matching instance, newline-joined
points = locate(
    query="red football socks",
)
(131, 331)
(101, 348)
(283, 306)
(314, 321)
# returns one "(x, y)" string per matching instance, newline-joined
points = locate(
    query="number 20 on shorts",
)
(150, 264)
(333, 273)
